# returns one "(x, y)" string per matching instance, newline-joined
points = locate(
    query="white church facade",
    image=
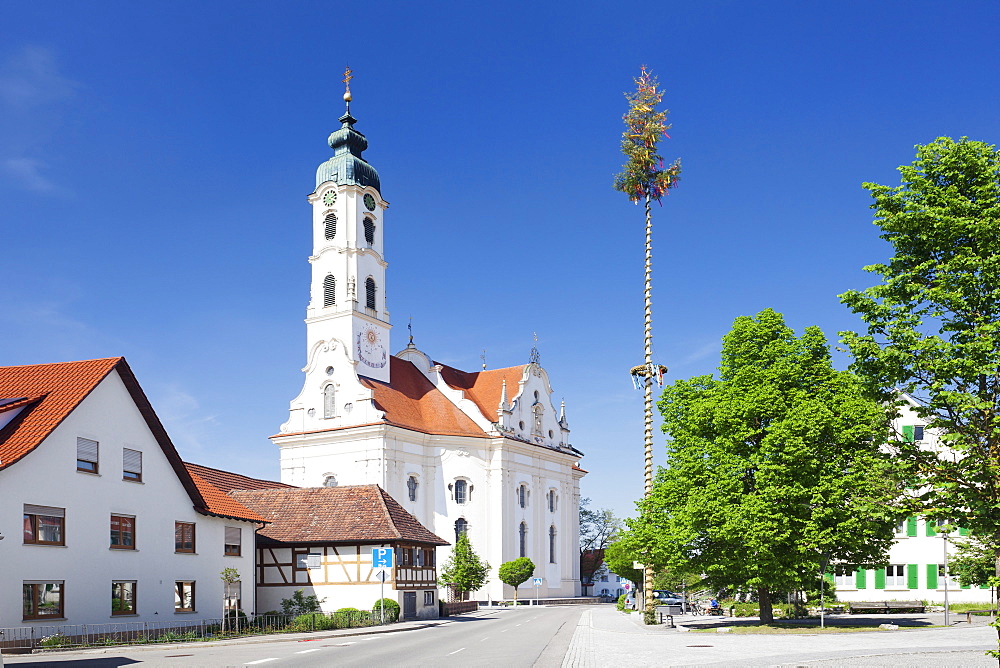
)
(480, 452)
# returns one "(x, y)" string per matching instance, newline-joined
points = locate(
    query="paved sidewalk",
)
(604, 636)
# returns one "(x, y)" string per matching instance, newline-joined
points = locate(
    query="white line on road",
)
(486, 638)
(253, 663)
(455, 652)
(306, 651)
(516, 624)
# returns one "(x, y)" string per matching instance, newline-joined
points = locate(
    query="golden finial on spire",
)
(347, 83)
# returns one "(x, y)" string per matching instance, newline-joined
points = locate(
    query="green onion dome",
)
(347, 166)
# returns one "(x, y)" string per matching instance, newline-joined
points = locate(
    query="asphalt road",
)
(524, 636)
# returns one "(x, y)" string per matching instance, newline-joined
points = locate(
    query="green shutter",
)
(962, 531)
(965, 586)
(908, 433)
(829, 577)
(984, 586)
(911, 527)
(880, 578)
(911, 576)
(929, 525)
(932, 576)
(859, 579)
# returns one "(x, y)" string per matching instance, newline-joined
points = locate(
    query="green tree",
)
(773, 469)
(598, 527)
(934, 325)
(620, 559)
(464, 570)
(973, 562)
(516, 572)
(644, 177)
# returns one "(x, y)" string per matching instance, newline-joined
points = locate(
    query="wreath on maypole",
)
(644, 173)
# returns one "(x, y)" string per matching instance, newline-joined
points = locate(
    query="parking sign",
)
(381, 557)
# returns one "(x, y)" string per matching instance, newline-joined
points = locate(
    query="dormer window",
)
(329, 291)
(330, 224)
(369, 232)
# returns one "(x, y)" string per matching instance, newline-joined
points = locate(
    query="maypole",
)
(644, 177)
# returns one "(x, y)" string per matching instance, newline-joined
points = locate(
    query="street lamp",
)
(947, 618)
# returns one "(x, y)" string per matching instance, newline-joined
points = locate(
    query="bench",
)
(885, 606)
(969, 613)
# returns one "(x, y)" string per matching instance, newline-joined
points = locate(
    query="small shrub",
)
(298, 603)
(391, 610)
(648, 617)
(56, 640)
(311, 621)
(621, 602)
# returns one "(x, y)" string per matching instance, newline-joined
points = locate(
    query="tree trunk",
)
(515, 595)
(764, 600)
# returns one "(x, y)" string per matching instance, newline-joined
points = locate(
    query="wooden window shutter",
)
(880, 578)
(911, 527)
(929, 525)
(908, 433)
(860, 579)
(132, 461)
(932, 575)
(911, 576)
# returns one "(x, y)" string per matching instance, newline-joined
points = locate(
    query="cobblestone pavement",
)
(604, 636)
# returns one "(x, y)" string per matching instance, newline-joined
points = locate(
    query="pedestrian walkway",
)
(605, 636)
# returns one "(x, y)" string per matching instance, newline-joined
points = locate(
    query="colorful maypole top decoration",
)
(644, 174)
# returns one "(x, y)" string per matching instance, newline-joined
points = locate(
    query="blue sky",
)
(155, 158)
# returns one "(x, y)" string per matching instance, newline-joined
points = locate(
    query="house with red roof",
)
(485, 453)
(102, 520)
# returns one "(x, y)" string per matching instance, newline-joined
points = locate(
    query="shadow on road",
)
(89, 662)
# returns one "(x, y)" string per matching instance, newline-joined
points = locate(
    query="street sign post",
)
(382, 560)
(537, 582)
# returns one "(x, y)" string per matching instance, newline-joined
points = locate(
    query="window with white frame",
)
(461, 527)
(895, 576)
(131, 465)
(844, 576)
(428, 598)
(461, 491)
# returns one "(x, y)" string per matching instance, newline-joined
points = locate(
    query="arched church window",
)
(369, 231)
(329, 401)
(329, 290)
(461, 492)
(522, 496)
(411, 487)
(331, 225)
(552, 500)
(552, 545)
(522, 536)
(370, 292)
(461, 527)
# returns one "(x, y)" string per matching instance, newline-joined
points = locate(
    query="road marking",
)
(516, 624)
(486, 638)
(455, 652)
(505, 631)
(253, 663)
(306, 651)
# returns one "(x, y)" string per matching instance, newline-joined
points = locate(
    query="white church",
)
(485, 453)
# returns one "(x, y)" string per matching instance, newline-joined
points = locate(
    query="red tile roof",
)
(228, 481)
(60, 388)
(219, 503)
(350, 514)
(485, 388)
(412, 402)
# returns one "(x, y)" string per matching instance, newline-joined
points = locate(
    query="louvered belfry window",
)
(329, 290)
(86, 455)
(370, 292)
(370, 231)
(331, 225)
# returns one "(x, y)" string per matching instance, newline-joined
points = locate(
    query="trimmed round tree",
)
(516, 572)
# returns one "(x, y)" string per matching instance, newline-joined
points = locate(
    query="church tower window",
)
(331, 225)
(461, 527)
(329, 402)
(369, 232)
(411, 487)
(370, 293)
(329, 290)
(552, 545)
(522, 535)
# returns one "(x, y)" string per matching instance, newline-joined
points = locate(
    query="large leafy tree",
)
(774, 469)
(464, 570)
(934, 324)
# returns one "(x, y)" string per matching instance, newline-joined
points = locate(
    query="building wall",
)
(87, 564)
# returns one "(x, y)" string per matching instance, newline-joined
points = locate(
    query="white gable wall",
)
(86, 564)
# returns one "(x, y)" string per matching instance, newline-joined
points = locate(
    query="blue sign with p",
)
(381, 557)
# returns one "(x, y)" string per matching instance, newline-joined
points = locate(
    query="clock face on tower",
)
(330, 198)
(369, 202)
(370, 348)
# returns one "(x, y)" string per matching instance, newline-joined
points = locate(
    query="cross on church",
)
(348, 75)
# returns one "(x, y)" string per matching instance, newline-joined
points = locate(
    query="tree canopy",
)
(516, 572)
(464, 569)
(773, 469)
(934, 324)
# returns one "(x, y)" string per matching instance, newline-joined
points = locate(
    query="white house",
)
(484, 452)
(916, 568)
(102, 522)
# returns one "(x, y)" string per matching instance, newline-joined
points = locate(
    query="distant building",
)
(102, 521)
(485, 453)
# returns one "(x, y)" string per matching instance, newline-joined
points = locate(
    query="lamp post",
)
(947, 617)
(823, 563)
